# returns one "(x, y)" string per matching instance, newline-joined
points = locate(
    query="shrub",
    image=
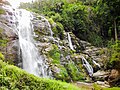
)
(63, 75)
(95, 39)
(115, 55)
(56, 17)
(73, 71)
(54, 54)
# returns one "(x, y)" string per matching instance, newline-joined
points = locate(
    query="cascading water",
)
(87, 66)
(96, 63)
(70, 42)
(32, 60)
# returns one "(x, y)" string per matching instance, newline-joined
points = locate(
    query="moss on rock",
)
(2, 11)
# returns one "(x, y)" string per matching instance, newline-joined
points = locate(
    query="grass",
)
(114, 88)
(13, 78)
(98, 87)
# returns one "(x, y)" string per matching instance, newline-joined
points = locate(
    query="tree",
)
(114, 13)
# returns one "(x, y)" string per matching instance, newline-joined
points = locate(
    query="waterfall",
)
(96, 63)
(70, 42)
(33, 62)
(87, 66)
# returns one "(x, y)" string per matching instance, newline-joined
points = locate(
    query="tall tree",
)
(114, 8)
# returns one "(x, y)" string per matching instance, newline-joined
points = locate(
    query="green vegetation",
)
(54, 54)
(114, 88)
(1, 56)
(115, 55)
(73, 72)
(2, 11)
(63, 75)
(13, 78)
(3, 40)
(97, 87)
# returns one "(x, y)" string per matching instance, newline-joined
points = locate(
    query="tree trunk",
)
(115, 30)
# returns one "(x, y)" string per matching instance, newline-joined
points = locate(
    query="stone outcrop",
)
(114, 78)
(101, 75)
(9, 41)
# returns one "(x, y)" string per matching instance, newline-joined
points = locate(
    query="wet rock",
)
(11, 48)
(41, 25)
(13, 52)
(55, 69)
(102, 84)
(101, 75)
(87, 86)
(8, 31)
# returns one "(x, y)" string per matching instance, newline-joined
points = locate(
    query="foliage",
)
(97, 87)
(1, 56)
(74, 15)
(56, 17)
(95, 39)
(51, 21)
(13, 78)
(63, 75)
(58, 30)
(3, 39)
(57, 27)
(55, 54)
(2, 11)
(73, 71)
(3, 42)
(115, 55)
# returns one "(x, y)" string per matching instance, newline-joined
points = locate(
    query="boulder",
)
(100, 75)
(114, 77)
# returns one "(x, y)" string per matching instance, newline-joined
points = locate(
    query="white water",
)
(96, 63)
(70, 42)
(87, 66)
(32, 60)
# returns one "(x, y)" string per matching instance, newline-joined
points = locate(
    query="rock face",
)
(9, 45)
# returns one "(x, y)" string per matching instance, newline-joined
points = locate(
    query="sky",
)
(15, 3)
